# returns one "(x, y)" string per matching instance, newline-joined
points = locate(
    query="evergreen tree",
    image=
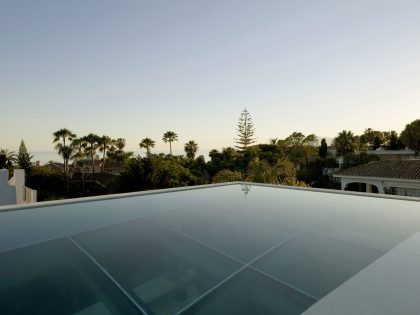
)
(191, 148)
(245, 131)
(147, 143)
(90, 144)
(23, 159)
(119, 143)
(104, 144)
(377, 142)
(7, 159)
(393, 143)
(410, 136)
(64, 150)
(345, 142)
(116, 151)
(323, 149)
(368, 137)
(226, 175)
(170, 137)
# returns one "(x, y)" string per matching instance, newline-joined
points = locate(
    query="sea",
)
(45, 157)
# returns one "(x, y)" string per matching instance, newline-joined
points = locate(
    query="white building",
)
(395, 177)
(14, 191)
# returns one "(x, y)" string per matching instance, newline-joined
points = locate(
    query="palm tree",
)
(63, 135)
(345, 142)
(66, 152)
(90, 143)
(170, 137)
(77, 144)
(272, 141)
(7, 158)
(104, 143)
(119, 143)
(147, 143)
(191, 148)
(116, 152)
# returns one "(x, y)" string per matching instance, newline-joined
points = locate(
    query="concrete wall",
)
(19, 176)
(14, 191)
(381, 184)
(369, 182)
(7, 192)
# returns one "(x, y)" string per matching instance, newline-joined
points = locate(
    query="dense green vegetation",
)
(7, 159)
(23, 159)
(411, 136)
(298, 160)
(245, 130)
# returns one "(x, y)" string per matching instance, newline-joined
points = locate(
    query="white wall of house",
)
(19, 182)
(14, 191)
(7, 192)
(406, 187)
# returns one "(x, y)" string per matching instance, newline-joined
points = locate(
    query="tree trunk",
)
(103, 162)
(93, 161)
(170, 148)
(65, 160)
(103, 167)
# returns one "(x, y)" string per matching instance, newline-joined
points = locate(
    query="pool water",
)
(230, 249)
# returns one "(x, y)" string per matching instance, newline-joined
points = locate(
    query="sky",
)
(137, 68)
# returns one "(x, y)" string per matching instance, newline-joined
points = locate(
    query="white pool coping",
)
(388, 286)
(186, 188)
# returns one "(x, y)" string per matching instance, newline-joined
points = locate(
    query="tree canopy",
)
(91, 144)
(191, 148)
(245, 131)
(147, 144)
(323, 149)
(23, 159)
(104, 143)
(7, 158)
(345, 142)
(170, 137)
(63, 148)
(410, 136)
(296, 160)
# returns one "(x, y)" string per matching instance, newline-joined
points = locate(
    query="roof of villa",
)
(401, 169)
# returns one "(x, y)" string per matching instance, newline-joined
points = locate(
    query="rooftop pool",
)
(218, 249)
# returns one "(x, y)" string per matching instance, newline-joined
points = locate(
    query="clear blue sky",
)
(135, 69)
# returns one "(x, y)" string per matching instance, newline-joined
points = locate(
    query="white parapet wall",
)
(14, 191)
(7, 192)
(19, 176)
(30, 195)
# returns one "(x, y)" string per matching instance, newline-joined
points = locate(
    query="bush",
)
(226, 175)
(49, 183)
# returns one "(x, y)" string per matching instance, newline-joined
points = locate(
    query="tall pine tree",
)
(23, 159)
(245, 131)
(323, 149)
